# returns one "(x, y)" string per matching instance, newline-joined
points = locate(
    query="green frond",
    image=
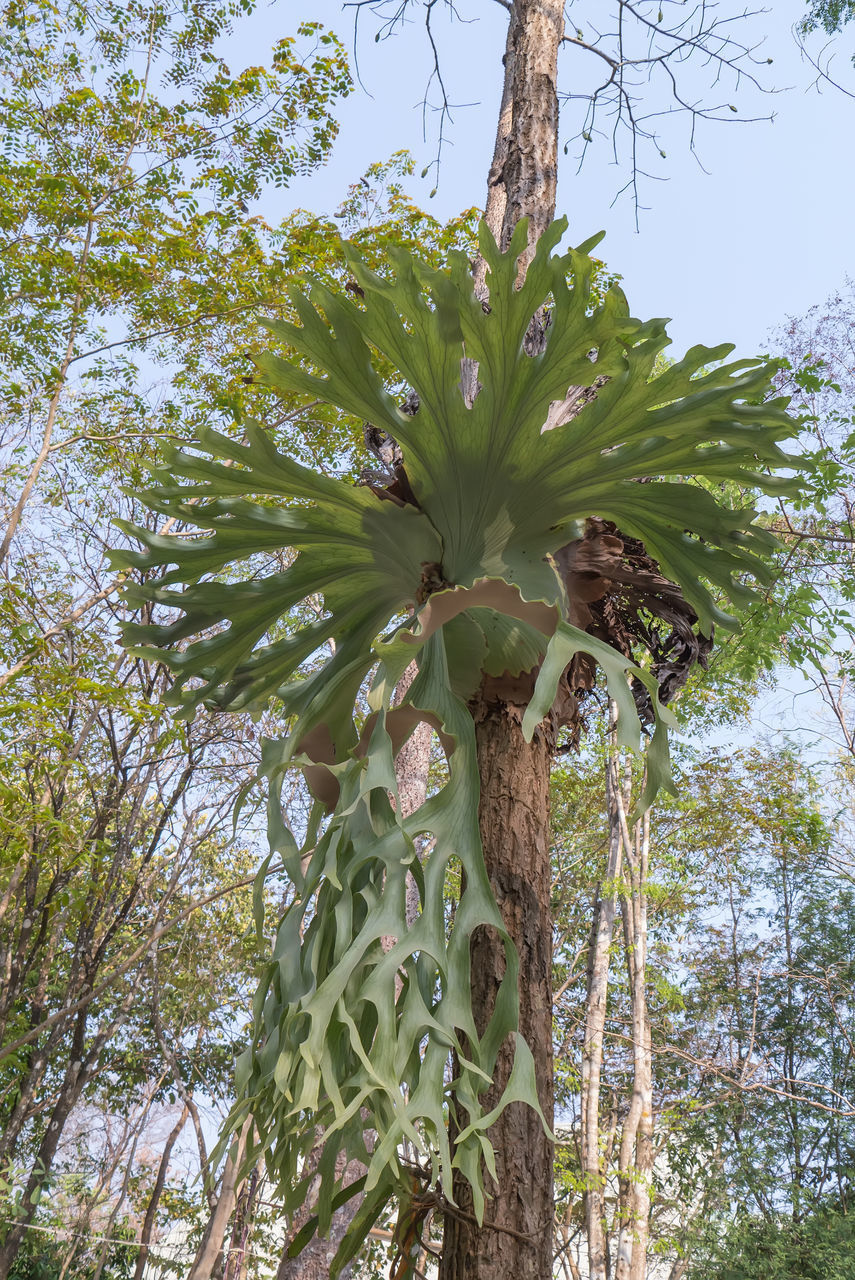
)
(351, 1039)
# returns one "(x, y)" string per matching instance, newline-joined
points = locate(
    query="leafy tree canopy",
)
(830, 15)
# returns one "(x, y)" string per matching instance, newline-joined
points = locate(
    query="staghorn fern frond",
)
(485, 569)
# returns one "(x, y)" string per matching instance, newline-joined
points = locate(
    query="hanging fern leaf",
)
(500, 552)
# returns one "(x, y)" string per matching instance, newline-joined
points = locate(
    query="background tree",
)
(831, 15)
(121, 877)
(749, 1012)
(179, 385)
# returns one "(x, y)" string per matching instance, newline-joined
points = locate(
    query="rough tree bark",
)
(516, 1238)
(523, 176)
(517, 1235)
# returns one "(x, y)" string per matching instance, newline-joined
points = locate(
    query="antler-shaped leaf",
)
(472, 577)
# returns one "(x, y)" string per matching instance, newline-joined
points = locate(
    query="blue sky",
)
(728, 253)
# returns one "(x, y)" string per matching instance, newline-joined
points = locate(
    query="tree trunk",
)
(602, 933)
(523, 176)
(237, 1257)
(315, 1260)
(119, 1200)
(209, 1258)
(77, 1074)
(636, 1155)
(157, 1192)
(516, 1238)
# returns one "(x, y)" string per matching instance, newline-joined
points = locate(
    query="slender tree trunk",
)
(516, 1239)
(77, 1073)
(39, 1175)
(238, 1247)
(157, 1192)
(602, 933)
(183, 1092)
(118, 1203)
(636, 1154)
(209, 1257)
(644, 1152)
(81, 1228)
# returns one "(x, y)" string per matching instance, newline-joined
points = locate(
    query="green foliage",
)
(751, 964)
(133, 265)
(112, 199)
(767, 971)
(820, 1247)
(46, 1244)
(350, 1038)
(830, 15)
(132, 261)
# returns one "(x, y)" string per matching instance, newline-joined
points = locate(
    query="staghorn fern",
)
(471, 563)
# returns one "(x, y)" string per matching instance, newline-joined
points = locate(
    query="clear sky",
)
(765, 232)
